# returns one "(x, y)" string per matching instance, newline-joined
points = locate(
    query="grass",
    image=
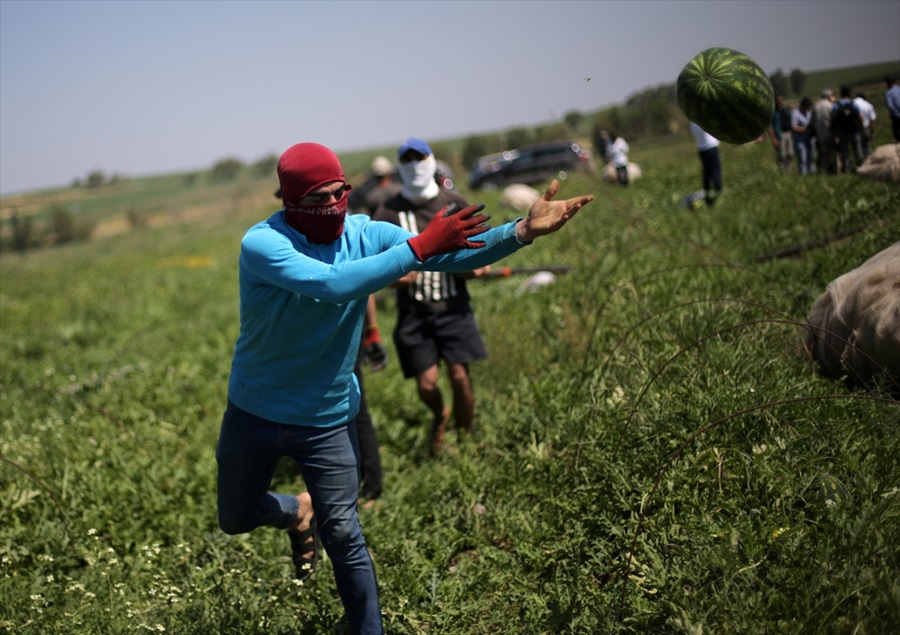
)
(649, 431)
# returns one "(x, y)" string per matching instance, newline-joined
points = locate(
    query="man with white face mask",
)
(435, 320)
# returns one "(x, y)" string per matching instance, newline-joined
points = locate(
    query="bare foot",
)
(438, 430)
(368, 504)
(304, 542)
(304, 514)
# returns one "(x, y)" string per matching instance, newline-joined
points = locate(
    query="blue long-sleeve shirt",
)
(302, 306)
(892, 101)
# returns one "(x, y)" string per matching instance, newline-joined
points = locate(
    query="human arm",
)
(406, 281)
(373, 348)
(497, 242)
(480, 272)
(797, 122)
(545, 217)
(270, 254)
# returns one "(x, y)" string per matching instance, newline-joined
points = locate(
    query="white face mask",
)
(418, 179)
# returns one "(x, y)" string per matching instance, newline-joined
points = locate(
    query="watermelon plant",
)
(727, 94)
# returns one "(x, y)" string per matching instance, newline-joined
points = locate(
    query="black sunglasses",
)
(321, 198)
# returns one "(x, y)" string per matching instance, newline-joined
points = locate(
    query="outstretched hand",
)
(450, 230)
(547, 216)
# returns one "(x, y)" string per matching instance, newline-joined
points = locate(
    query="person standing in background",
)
(435, 319)
(708, 149)
(379, 187)
(801, 126)
(892, 101)
(846, 127)
(867, 112)
(781, 135)
(617, 154)
(601, 143)
(821, 130)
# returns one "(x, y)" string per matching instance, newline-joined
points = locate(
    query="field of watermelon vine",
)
(650, 433)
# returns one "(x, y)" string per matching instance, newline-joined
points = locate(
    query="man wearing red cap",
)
(305, 275)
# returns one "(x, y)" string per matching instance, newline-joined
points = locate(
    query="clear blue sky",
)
(140, 88)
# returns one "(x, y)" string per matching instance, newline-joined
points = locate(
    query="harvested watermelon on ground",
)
(727, 94)
(827, 490)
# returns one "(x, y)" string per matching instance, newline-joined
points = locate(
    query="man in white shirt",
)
(867, 112)
(708, 149)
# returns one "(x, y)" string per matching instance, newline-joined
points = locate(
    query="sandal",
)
(301, 548)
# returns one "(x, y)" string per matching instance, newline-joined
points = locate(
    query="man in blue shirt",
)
(892, 101)
(305, 275)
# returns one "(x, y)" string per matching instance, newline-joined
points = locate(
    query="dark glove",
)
(450, 230)
(374, 350)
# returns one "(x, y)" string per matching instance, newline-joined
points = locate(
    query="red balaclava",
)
(301, 169)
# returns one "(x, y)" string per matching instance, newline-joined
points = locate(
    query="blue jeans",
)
(803, 150)
(712, 171)
(247, 454)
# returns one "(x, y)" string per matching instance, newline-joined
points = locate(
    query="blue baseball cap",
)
(413, 143)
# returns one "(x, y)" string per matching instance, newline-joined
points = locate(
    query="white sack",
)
(883, 164)
(862, 307)
(519, 197)
(609, 172)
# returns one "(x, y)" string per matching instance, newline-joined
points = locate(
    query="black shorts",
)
(422, 339)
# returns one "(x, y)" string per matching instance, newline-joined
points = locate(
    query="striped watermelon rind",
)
(727, 94)
(827, 490)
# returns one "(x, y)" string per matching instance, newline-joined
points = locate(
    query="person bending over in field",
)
(305, 274)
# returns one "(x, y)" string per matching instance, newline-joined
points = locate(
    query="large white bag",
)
(855, 324)
(883, 164)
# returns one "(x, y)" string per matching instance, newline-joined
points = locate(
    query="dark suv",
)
(530, 164)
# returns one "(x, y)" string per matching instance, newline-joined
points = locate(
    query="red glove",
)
(375, 353)
(373, 335)
(450, 230)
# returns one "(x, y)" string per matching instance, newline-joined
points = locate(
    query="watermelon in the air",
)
(727, 94)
